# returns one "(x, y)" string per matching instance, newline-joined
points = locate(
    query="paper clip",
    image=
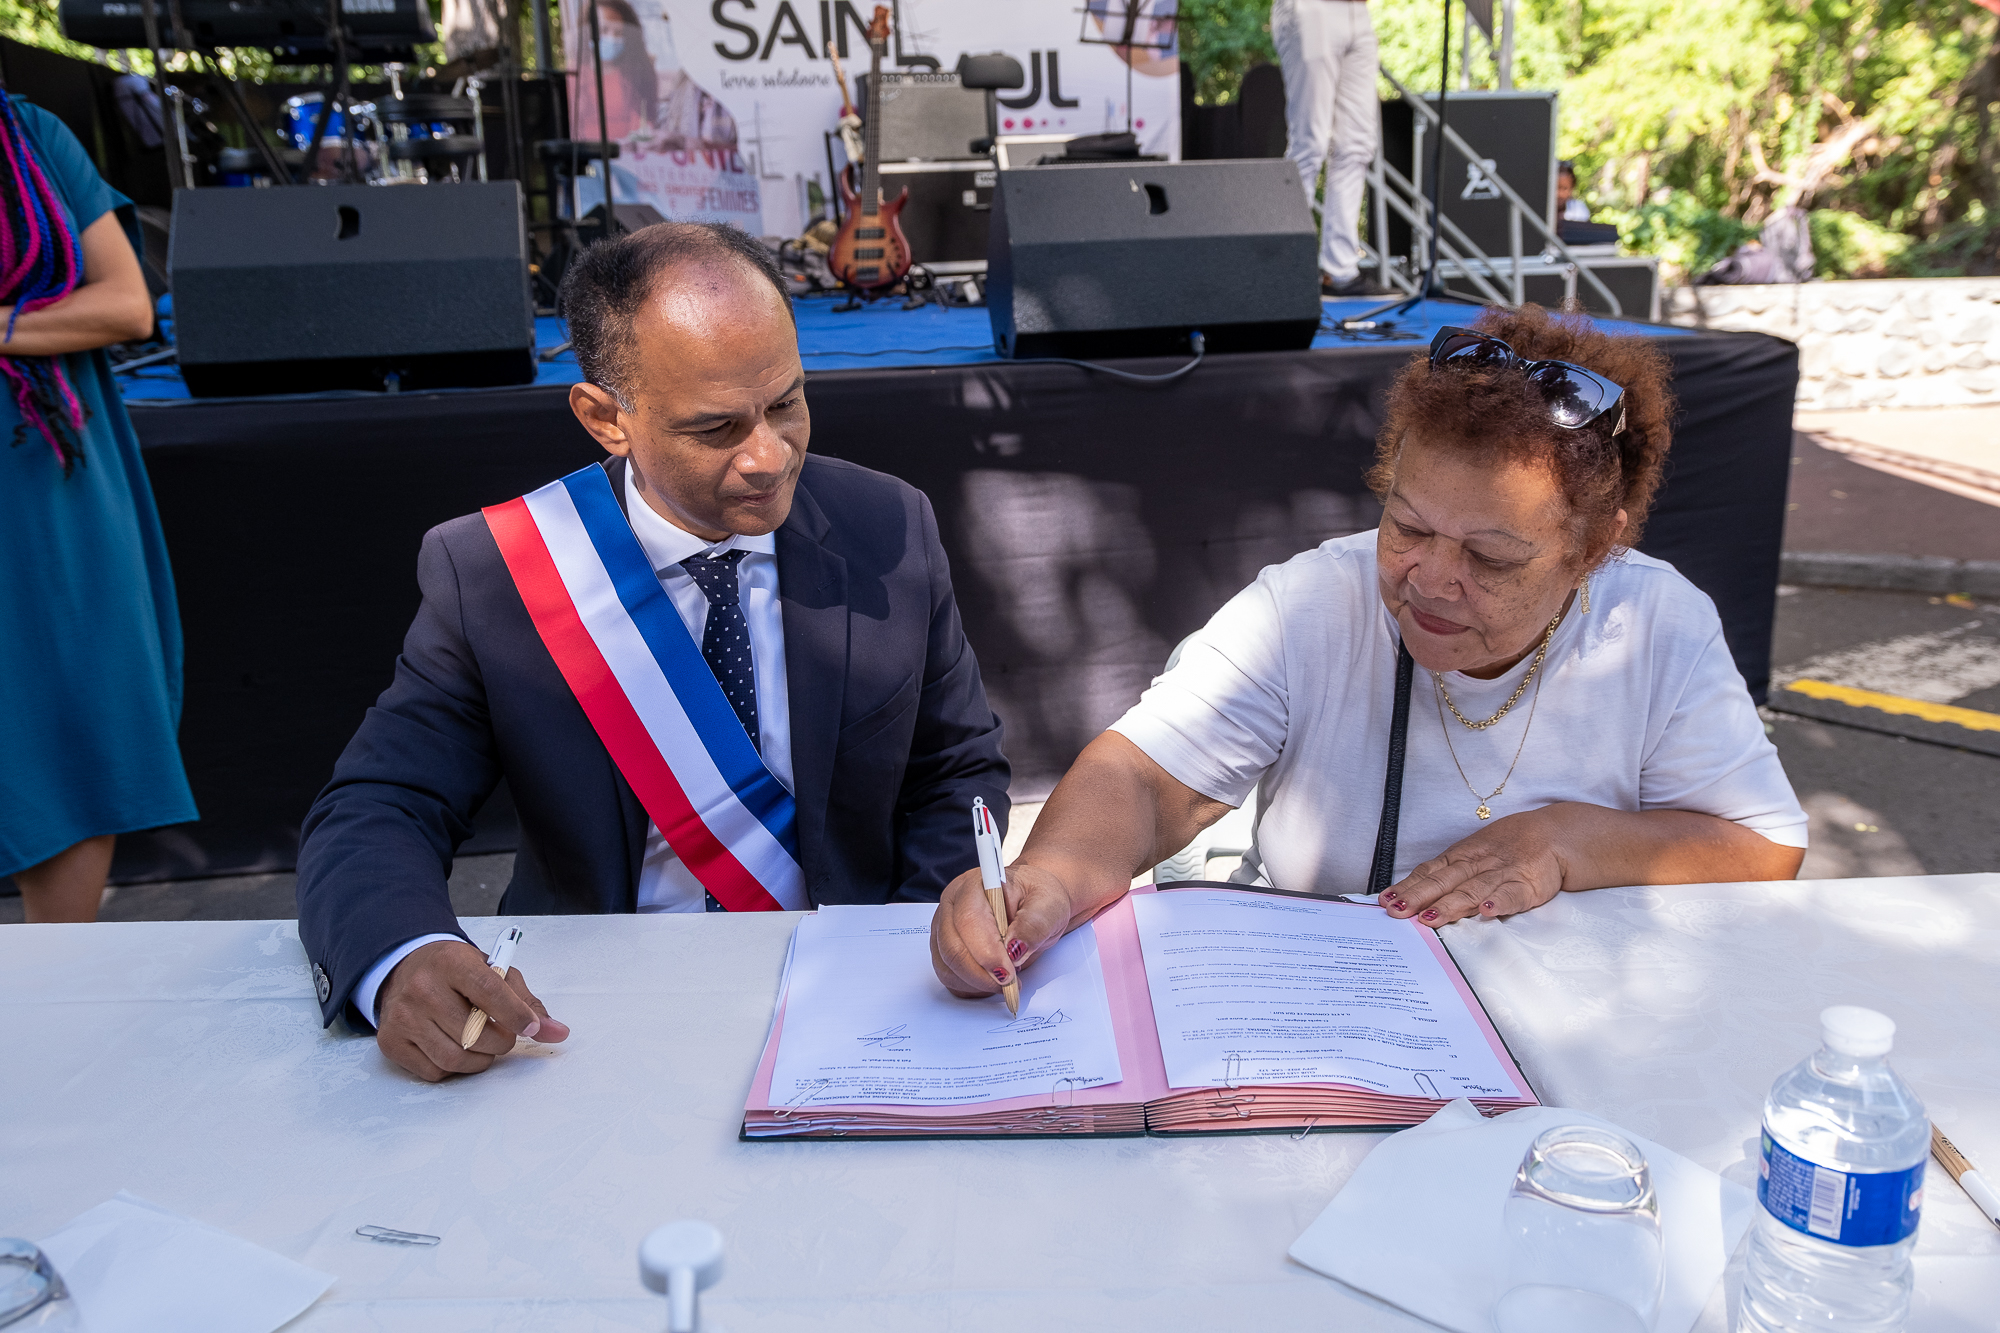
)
(1231, 1106)
(1068, 1094)
(1232, 1069)
(797, 1102)
(1300, 1136)
(389, 1236)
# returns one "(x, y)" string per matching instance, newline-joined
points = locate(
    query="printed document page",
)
(1255, 989)
(866, 1020)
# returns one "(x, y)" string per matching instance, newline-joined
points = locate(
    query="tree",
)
(1692, 120)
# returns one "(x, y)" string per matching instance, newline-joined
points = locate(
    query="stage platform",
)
(1091, 524)
(885, 336)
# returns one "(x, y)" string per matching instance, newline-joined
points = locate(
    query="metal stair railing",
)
(1518, 209)
(1417, 215)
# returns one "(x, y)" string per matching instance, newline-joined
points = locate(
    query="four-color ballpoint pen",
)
(1969, 1180)
(499, 960)
(986, 837)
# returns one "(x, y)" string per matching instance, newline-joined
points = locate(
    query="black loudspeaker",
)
(351, 287)
(1128, 258)
(1514, 132)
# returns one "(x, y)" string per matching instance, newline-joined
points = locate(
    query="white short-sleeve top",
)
(1290, 688)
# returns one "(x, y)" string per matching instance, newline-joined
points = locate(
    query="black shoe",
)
(1356, 286)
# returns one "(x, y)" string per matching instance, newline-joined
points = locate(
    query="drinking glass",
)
(1583, 1229)
(31, 1291)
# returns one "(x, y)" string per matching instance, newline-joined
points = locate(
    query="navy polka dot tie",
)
(725, 642)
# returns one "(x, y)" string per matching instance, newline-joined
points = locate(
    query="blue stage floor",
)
(886, 335)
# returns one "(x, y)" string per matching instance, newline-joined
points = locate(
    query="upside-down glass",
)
(31, 1292)
(1583, 1233)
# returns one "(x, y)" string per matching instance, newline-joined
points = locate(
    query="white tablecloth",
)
(184, 1061)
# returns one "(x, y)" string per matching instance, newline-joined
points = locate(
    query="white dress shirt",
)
(665, 883)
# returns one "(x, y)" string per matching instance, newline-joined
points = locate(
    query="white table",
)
(185, 1062)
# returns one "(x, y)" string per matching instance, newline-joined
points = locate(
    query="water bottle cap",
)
(1852, 1030)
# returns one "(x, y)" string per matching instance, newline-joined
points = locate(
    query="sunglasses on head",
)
(1576, 398)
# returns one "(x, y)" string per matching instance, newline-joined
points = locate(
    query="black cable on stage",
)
(1195, 340)
(905, 351)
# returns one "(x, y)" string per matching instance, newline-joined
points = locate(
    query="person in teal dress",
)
(90, 647)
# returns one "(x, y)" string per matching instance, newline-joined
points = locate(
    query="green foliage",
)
(1687, 235)
(1219, 40)
(1691, 121)
(1847, 245)
(34, 23)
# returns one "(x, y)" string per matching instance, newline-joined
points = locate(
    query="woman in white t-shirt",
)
(1573, 716)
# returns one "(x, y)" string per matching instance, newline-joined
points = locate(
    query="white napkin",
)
(1419, 1224)
(133, 1267)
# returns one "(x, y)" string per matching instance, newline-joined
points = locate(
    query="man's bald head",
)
(608, 285)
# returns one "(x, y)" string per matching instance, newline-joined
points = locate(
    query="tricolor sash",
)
(629, 659)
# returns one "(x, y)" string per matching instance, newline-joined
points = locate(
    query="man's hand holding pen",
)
(427, 999)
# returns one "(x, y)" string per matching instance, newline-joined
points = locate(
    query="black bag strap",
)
(1392, 785)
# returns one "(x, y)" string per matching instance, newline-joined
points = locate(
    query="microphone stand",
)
(1430, 287)
(611, 227)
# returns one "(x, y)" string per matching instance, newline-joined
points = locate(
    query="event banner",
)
(721, 107)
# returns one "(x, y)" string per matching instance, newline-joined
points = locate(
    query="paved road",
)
(1883, 804)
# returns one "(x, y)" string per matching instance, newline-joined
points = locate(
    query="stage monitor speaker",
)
(925, 117)
(1128, 258)
(351, 287)
(1514, 131)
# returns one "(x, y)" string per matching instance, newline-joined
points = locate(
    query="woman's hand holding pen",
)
(966, 948)
(425, 1001)
(1114, 814)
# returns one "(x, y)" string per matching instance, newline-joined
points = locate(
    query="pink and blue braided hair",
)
(41, 262)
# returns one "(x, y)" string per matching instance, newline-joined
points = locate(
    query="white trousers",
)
(1326, 49)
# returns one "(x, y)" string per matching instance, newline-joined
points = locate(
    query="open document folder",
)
(1191, 1011)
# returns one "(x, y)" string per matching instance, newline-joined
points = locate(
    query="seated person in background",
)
(1569, 208)
(715, 672)
(1501, 579)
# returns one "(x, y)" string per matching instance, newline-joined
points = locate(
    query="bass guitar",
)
(870, 252)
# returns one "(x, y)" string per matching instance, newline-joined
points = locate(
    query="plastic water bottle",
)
(1841, 1186)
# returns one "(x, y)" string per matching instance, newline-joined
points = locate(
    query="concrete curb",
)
(1900, 573)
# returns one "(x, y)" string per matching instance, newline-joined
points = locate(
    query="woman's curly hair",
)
(1496, 414)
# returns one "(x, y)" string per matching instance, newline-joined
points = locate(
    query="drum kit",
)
(406, 138)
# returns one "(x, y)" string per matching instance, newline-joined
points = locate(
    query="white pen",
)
(986, 837)
(1966, 1175)
(499, 960)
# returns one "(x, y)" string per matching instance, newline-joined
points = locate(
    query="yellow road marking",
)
(1969, 718)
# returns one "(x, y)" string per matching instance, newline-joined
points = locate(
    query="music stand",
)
(1168, 14)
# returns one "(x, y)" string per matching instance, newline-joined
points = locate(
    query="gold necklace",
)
(1513, 698)
(1485, 811)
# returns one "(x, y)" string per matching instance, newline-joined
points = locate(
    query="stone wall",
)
(1891, 342)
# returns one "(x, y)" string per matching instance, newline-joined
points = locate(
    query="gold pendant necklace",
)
(1485, 811)
(1512, 699)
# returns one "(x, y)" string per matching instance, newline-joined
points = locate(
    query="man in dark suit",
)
(859, 690)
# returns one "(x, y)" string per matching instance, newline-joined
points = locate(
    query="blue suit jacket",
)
(891, 737)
